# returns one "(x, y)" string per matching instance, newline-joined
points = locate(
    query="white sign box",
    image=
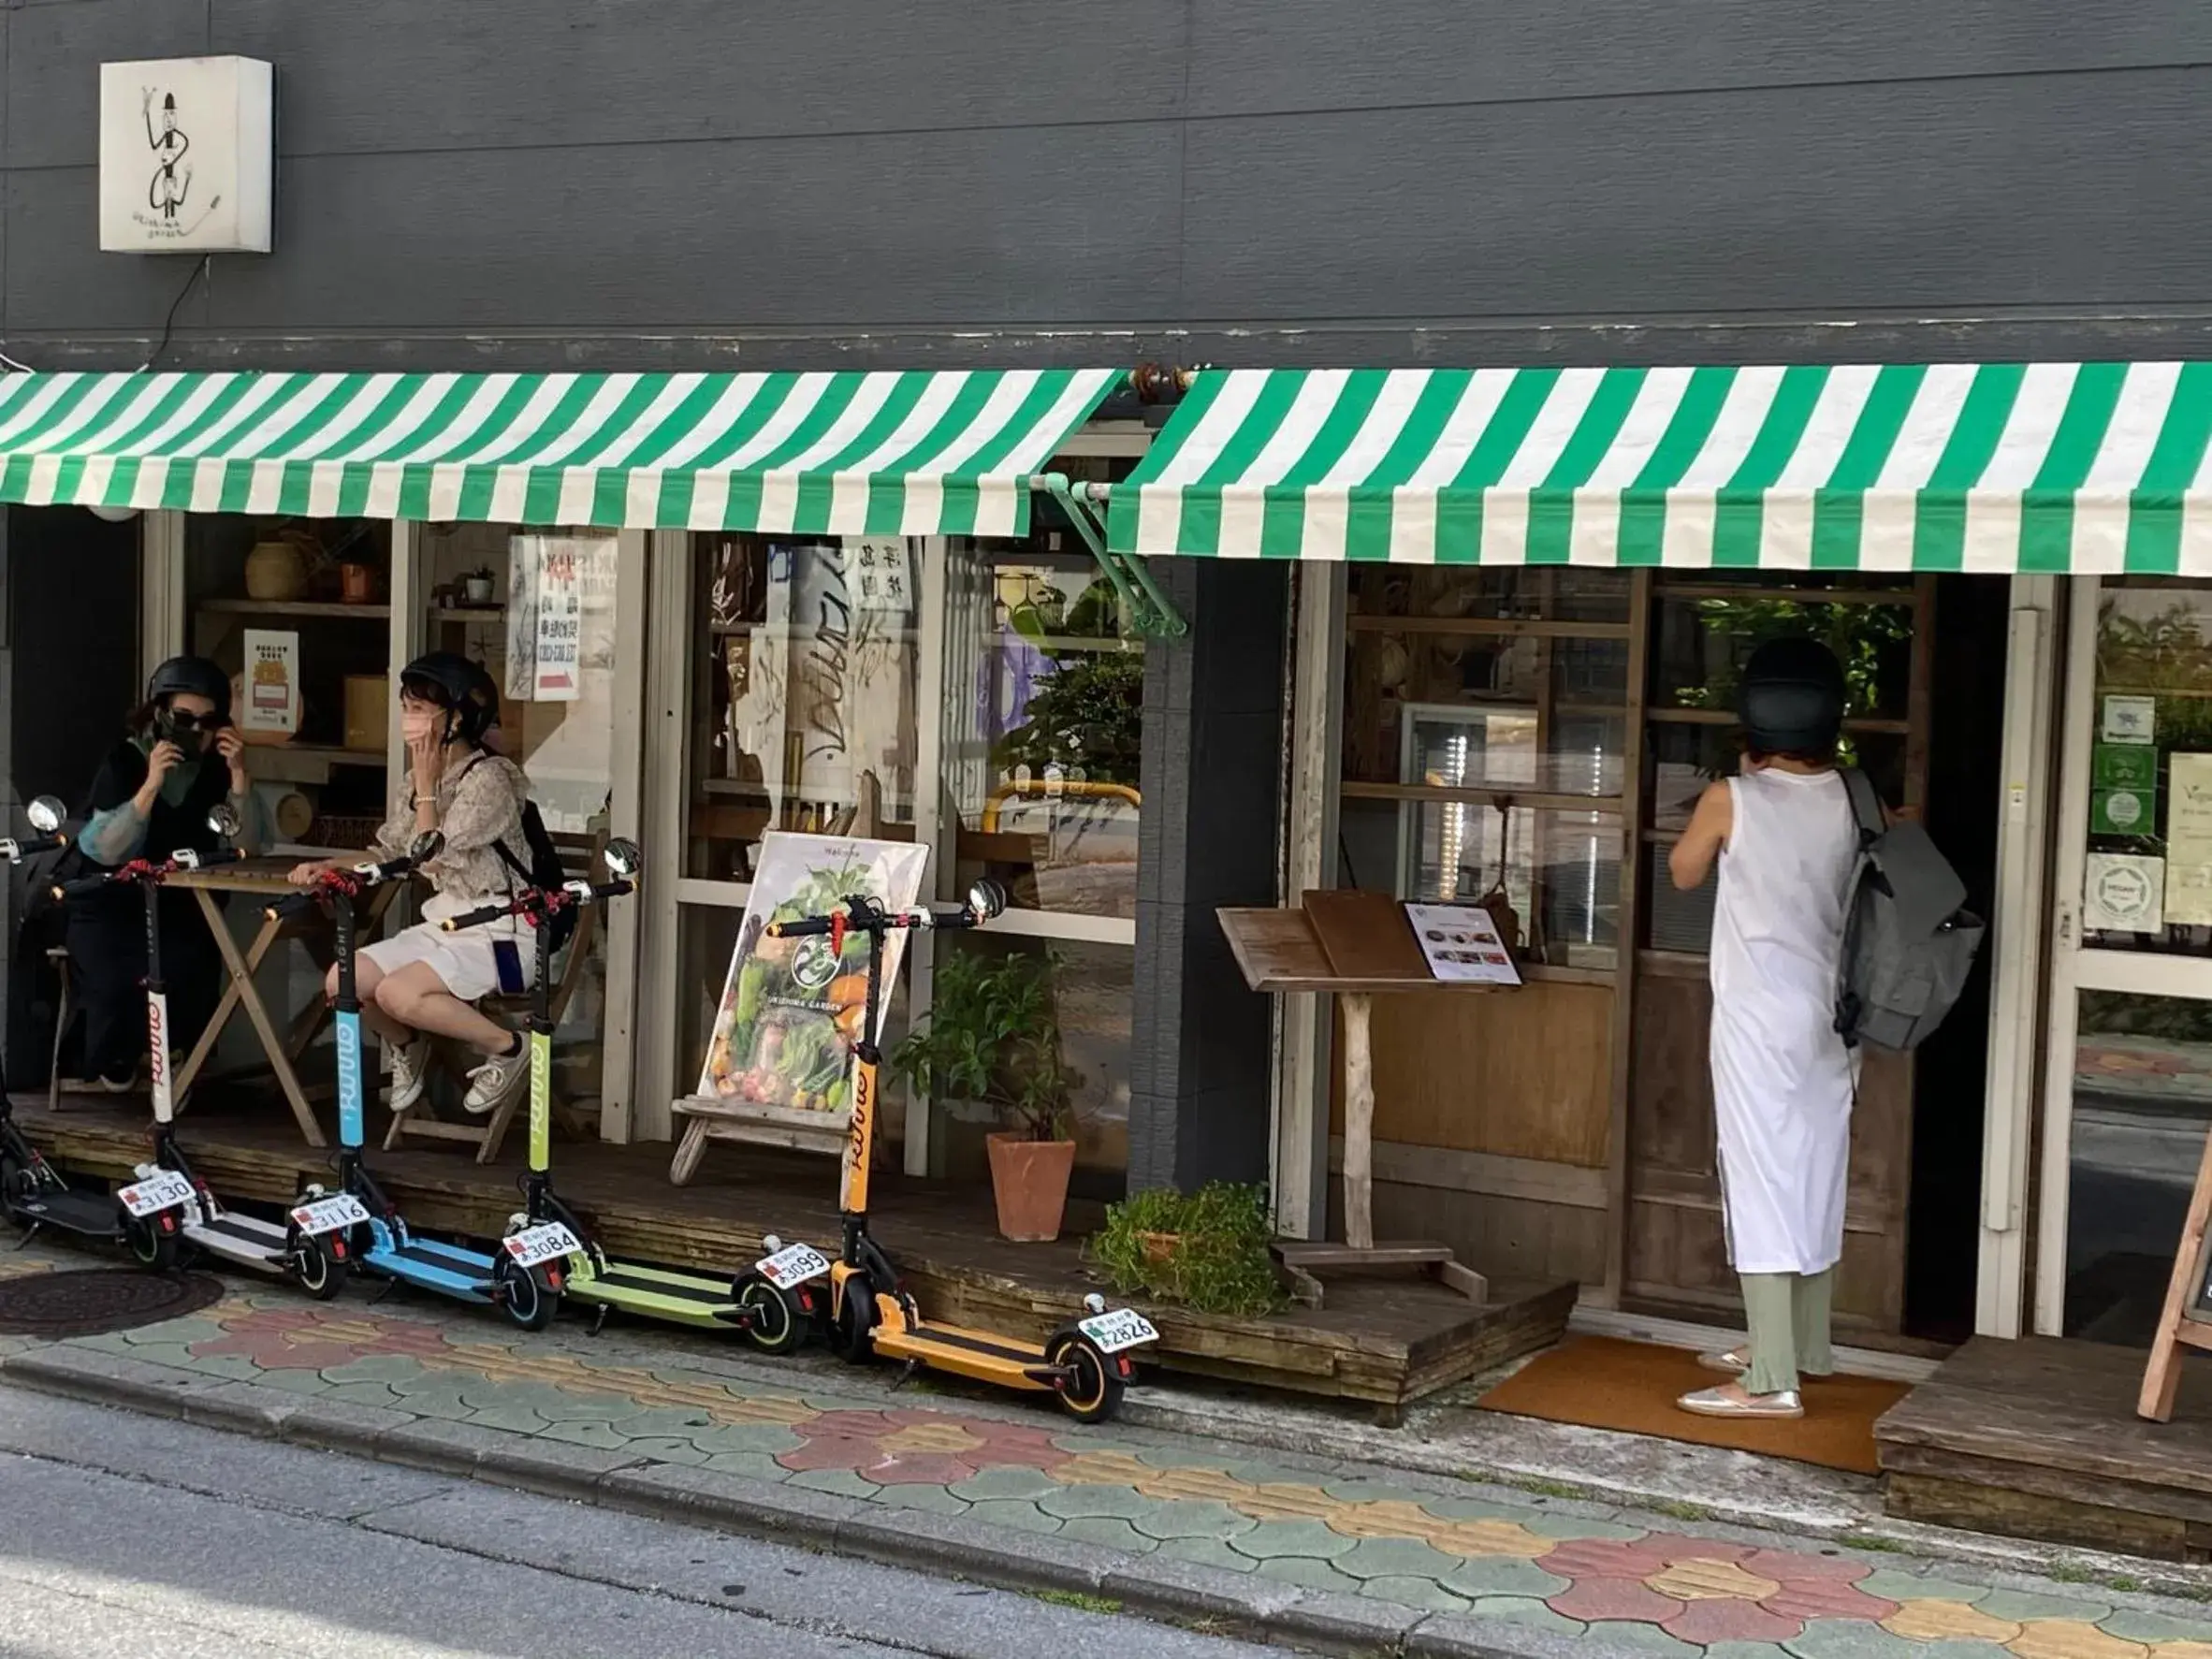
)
(187, 156)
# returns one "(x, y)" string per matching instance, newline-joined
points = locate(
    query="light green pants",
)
(1788, 1317)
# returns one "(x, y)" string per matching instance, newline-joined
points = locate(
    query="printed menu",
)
(1462, 944)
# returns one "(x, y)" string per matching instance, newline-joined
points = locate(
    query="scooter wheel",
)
(321, 1275)
(1093, 1392)
(775, 1327)
(855, 1321)
(529, 1301)
(151, 1246)
(17, 1184)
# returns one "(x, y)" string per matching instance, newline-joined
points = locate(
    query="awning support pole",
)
(1153, 614)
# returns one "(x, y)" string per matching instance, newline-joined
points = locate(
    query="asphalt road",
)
(122, 1535)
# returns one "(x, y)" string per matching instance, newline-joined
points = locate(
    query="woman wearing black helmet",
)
(152, 795)
(423, 982)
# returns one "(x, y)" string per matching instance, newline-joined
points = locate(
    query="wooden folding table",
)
(262, 882)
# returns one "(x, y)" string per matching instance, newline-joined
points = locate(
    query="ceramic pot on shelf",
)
(276, 572)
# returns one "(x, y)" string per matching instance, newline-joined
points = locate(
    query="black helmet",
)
(450, 681)
(193, 675)
(1793, 697)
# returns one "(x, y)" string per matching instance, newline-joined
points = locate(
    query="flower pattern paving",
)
(1365, 1535)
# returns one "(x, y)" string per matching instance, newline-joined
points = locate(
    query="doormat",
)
(1602, 1382)
(93, 1301)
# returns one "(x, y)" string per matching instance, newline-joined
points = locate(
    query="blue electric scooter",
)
(378, 1238)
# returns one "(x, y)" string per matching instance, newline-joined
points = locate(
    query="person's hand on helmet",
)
(307, 875)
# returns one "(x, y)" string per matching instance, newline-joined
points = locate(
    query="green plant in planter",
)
(1207, 1249)
(991, 1035)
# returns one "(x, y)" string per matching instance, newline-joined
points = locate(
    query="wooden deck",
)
(1384, 1340)
(2039, 1439)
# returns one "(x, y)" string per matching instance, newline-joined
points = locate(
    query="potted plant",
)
(992, 1036)
(1209, 1249)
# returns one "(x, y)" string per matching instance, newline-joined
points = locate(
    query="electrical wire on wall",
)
(170, 322)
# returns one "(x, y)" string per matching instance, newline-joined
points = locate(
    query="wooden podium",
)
(1353, 946)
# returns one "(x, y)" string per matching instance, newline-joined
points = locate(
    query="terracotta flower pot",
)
(1159, 1247)
(1030, 1179)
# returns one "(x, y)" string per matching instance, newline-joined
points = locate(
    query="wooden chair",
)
(580, 860)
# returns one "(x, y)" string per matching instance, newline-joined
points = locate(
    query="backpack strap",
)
(1866, 807)
(515, 865)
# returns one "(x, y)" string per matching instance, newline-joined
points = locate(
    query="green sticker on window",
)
(2126, 766)
(2124, 812)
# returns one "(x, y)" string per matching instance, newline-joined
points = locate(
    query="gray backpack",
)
(1908, 943)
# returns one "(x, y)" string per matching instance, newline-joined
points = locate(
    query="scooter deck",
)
(75, 1212)
(656, 1293)
(984, 1355)
(241, 1238)
(444, 1268)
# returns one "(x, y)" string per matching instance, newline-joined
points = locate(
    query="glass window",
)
(310, 597)
(1091, 987)
(2148, 880)
(1701, 644)
(1042, 725)
(1525, 593)
(2142, 1105)
(803, 694)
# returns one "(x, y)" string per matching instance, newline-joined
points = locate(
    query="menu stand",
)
(1353, 946)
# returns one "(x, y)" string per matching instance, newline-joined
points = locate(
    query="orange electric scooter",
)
(1085, 1364)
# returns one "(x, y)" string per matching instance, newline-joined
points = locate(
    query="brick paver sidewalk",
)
(1409, 1541)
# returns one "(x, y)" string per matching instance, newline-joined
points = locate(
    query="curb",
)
(1210, 1599)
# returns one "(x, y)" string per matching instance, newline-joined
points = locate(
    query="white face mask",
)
(417, 722)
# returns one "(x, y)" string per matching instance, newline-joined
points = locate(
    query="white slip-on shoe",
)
(1721, 1402)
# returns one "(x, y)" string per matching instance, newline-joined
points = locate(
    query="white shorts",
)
(463, 962)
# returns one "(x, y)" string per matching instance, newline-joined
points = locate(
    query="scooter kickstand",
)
(599, 1319)
(908, 1373)
(29, 1235)
(384, 1290)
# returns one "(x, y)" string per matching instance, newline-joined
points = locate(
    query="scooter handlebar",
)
(31, 846)
(478, 917)
(291, 904)
(82, 885)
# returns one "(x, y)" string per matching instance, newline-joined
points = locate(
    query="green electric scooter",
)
(771, 1302)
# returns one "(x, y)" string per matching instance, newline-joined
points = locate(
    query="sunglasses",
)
(181, 721)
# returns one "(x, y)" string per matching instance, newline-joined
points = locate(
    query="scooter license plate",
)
(541, 1242)
(157, 1193)
(1123, 1328)
(795, 1264)
(329, 1215)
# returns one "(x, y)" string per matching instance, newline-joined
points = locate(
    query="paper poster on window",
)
(271, 702)
(791, 1008)
(1462, 944)
(560, 614)
(2124, 892)
(2189, 841)
(2129, 720)
(881, 574)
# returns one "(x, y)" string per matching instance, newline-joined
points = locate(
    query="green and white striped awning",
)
(2044, 467)
(828, 454)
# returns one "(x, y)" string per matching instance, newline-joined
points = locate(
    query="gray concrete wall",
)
(649, 183)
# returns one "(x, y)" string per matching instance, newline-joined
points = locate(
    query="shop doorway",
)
(2128, 1060)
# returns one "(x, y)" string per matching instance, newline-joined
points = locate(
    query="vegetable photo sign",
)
(791, 1009)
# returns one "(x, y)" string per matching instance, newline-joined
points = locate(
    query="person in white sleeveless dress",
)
(1783, 1080)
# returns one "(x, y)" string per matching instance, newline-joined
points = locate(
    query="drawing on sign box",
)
(169, 188)
(171, 184)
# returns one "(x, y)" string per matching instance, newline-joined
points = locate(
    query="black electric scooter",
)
(159, 1207)
(32, 1193)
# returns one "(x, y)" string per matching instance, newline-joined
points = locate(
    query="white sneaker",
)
(498, 1080)
(411, 1072)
